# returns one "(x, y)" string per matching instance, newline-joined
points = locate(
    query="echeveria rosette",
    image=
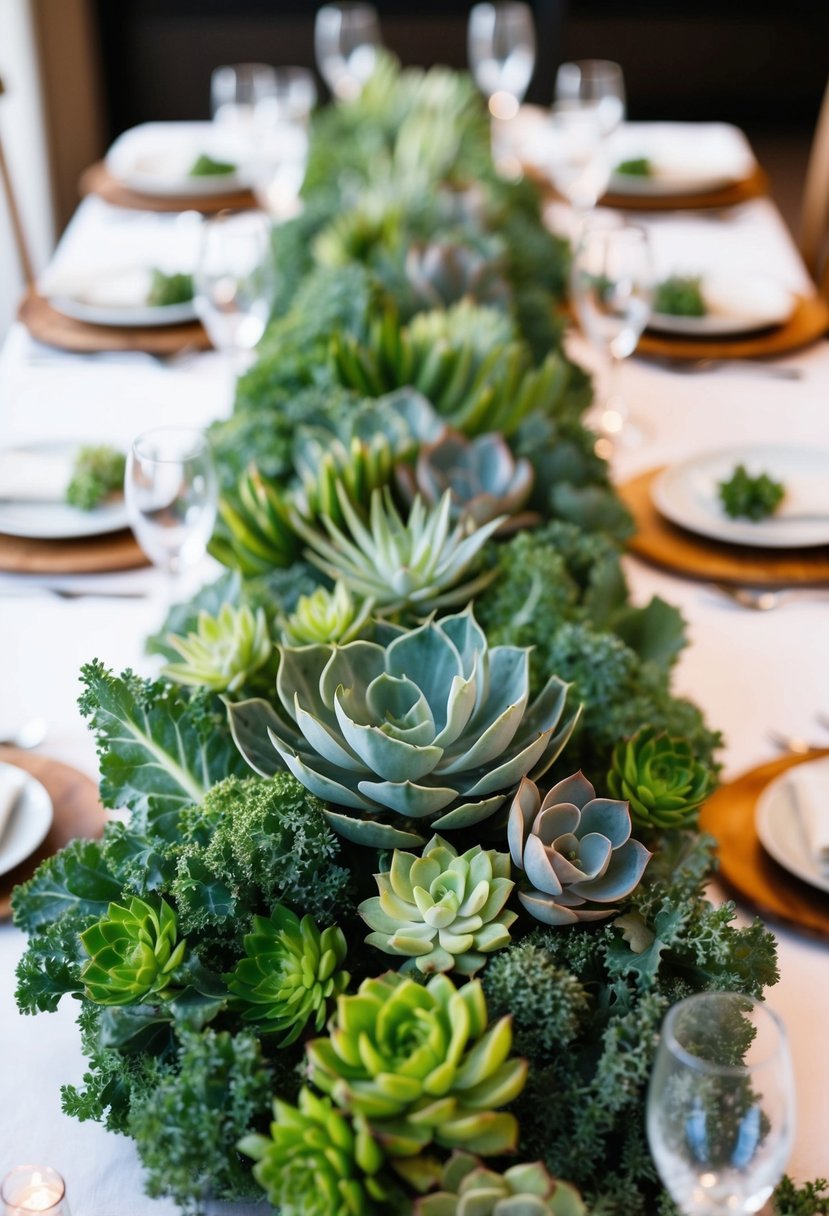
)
(316, 1162)
(661, 779)
(421, 1065)
(224, 651)
(575, 850)
(441, 911)
(290, 975)
(468, 1188)
(436, 729)
(134, 953)
(326, 617)
(442, 273)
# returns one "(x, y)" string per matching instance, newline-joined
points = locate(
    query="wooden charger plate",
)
(662, 543)
(730, 195)
(78, 813)
(744, 864)
(97, 179)
(807, 324)
(48, 325)
(85, 555)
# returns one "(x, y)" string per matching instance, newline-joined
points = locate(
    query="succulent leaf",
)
(325, 616)
(134, 953)
(468, 1188)
(660, 777)
(224, 651)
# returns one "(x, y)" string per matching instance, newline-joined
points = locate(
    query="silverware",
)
(758, 600)
(793, 744)
(691, 367)
(30, 734)
(68, 593)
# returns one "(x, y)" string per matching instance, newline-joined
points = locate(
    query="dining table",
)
(751, 672)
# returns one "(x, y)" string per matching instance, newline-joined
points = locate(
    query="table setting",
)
(390, 776)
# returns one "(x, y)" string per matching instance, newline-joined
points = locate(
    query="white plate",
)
(781, 832)
(735, 305)
(156, 158)
(686, 158)
(57, 520)
(28, 825)
(687, 495)
(119, 298)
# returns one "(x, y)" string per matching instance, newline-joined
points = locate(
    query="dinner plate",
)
(57, 520)
(119, 297)
(28, 825)
(687, 495)
(781, 832)
(686, 158)
(156, 158)
(735, 305)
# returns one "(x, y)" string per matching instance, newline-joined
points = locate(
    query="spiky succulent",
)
(660, 777)
(482, 476)
(442, 273)
(419, 564)
(224, 651)
(421, 1065)
(575, 850)
(325, 617)
(316, 1162)
(256, 535)
(134, 953)
(325, 463)
(468, 1188)
(441, 911)
(290, 974)
(435, 728)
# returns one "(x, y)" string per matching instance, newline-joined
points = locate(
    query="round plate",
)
(781, 831)
(156, 158)
(57, 520)
(27, 827)
(665, 184)
(120, 298)
(735, 306)
(685, 158)
(686, 494)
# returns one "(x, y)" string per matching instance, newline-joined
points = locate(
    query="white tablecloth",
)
(750, 672)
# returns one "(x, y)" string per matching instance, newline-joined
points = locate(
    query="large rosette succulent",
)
(468, 1188)
(434, 728)
(441, 911)
(575, 850)
(134, 953)
(421, 1065)
(661, 779)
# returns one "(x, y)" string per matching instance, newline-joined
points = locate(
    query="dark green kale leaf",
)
(746, 497)
(77, 880)
(50, 967)
(811, 1199)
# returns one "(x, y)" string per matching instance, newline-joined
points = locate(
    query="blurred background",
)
(78, 72)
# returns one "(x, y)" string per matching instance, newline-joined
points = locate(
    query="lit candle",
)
(34, 1188)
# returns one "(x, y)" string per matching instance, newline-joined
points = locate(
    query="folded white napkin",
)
(809, 789)
(33, 476)
(12, 781)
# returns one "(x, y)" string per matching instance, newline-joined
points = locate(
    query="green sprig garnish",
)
(96, 473)
(680, 296)
(638, 166)
(167, 289)
(206, 166)
(747, 497)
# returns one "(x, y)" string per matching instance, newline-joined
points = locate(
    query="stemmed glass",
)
(593, 83)
(237, 88)
(281, 120)
(720, 1109)
(346, 38)
(612, 283)
(171, 493)
(589, 105)
(234, 282)
(501, 51)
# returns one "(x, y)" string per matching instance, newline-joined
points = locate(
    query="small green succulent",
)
(747, 496)
(325, 618)
(575, 850)
(328, 467)
(421, 1065)
(290, 975)
(468, 1188)
(441, 911)
(659, 776)
(133, 953)
(256, 534)
(316, 1162)
(224, 651)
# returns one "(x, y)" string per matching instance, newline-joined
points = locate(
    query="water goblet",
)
(237, 88)
(589, 104)
(346, 38)
(234, 282)
(720, 1108)
(593, 84)
(501, 52)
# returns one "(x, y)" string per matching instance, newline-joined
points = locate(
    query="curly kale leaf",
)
(811, 1199)
(76, 880)
(50, 967)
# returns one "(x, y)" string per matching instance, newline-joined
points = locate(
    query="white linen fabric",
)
(749, 671)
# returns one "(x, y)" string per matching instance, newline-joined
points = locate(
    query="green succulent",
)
(325, 617)
(290, 974)
(660, 778)
(435, 728)
(133, 953)
(420, 1064)
(575, 850)
(442, 273)
(224, 651)
(316, 1162)
(256, 535)
(327, 468)
(441, 911)
(355, 235)
(468, 1188)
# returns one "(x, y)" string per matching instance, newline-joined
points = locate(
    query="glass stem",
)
(615, 413)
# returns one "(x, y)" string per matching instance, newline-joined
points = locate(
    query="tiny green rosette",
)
(325, 618)
(224, 651)
(133, 953)
(468, 1188)
(660, 778)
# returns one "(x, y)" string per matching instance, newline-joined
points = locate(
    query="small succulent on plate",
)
(290, 975)
(441, 911)
(134, 953)
(750, 496)
(224, 651)
(575, 850)
(468, 1188)
(659, 776)
(326, 617)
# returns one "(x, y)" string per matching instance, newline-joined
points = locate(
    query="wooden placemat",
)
(777, 895)
(97, 179)
(730, 195)
(85, 555)
(808, 323)
(78, 813)
(662, 543)
(48, 325)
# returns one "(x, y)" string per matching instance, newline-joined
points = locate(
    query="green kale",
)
(50, 967)
(206, 166)
(78, 879)
(746, 497)
(680, 296)
(811, 1199)
(167, 289)
(638, 166)
(96, 473)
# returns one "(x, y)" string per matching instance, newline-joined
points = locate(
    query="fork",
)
(692, 367)
(758, 600)
(68, 593)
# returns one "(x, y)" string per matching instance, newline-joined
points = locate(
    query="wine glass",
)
(281, 141)
(501, 51)
(346, 38)
(720, 1109)
(171, 493)
(612, 282)
(237, 88)
(593, 83)
(234, 282)
(589, 105)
